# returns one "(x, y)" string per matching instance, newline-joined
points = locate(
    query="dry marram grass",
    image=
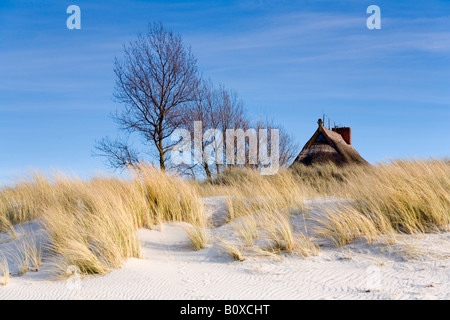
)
(92, 224)
(4, 271)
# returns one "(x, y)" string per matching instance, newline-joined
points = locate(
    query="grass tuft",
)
(4, 271)
(198, 236)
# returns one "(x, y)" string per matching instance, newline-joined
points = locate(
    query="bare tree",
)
(229, 114)
(154, 80)
(200, 110)
(218, 109)
(120, 154)
(288, 147)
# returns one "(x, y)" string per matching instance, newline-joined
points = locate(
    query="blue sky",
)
(292, 60)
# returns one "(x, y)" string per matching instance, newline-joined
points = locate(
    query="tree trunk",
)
(218, 169)
(207, 171)
(162, 162)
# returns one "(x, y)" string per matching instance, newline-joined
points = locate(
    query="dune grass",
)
(408, 196)
(4, 271)
(199, 237)
(282, 237)
(170, 198)
(248, 192)
(344, 224)
(386, 199)
(234, 250)
(247, 229)
(92, 224)
(401, 197)
(27, 255)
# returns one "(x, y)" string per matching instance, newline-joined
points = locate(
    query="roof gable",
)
(345, 153)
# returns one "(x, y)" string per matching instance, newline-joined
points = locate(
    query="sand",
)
(416, 267)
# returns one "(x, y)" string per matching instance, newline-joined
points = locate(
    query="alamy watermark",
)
(74, 20)
(374, 21)
(213, 147)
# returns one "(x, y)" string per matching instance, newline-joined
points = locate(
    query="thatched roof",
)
(328, 146)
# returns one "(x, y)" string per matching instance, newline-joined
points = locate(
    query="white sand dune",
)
(417, 267)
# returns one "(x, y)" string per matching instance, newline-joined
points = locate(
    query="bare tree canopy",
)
(218, 108)
(288, 147)
(119, 154)
(155, 78)
(158, 86)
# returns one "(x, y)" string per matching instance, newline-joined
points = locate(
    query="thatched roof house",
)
(329, 146)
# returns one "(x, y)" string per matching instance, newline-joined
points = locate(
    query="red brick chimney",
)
(345, 132)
